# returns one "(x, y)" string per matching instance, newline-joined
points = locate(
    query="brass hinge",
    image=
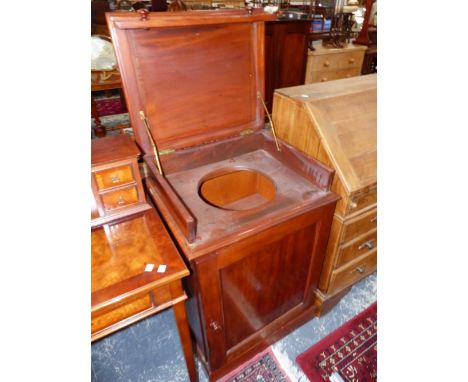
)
(166, 151)
(246, 132)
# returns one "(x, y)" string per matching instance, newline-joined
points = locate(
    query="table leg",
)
(184, 333)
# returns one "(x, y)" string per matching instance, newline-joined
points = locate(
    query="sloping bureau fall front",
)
(335, 122)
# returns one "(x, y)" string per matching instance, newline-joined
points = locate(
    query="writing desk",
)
(123, 292)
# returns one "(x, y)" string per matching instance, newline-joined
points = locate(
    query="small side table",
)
(136, 271)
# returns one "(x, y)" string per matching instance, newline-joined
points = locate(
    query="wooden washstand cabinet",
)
(336, 122)
(252, 222)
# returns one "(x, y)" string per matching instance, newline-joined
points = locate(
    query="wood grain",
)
(115, 180)
(335, 122)
(211, 48)
(199, 78)
(285, 55)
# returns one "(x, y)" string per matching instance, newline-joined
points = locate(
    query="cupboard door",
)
(249, 288)
(264, 284)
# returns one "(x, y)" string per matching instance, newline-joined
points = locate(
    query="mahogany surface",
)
(215, 58)
(286, 43)
(255, 265)
(122, 292)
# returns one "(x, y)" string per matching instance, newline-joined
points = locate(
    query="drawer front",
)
(350, 60)
(353, 272)
(359, 202)
(335, 61)
(102, 321)
(352, 228)
(119, 198)
(115, 176)
(336, 74)
(358, 247)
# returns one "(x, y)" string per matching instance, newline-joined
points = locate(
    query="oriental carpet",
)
(348, 354)
(264, 367)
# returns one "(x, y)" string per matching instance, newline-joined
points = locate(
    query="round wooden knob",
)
(348, 75)
(324, 79)
(351, 60)
(326, 63)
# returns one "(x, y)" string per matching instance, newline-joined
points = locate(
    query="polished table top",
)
(121, 252)
(137, 271)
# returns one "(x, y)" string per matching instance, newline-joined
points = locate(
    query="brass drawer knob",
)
(369, 244)
(215, 326)
(326, 63)
(351, 60)
(360, 269)
(121, 200)
(115, 179)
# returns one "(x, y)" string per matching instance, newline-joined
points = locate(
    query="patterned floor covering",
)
(349, 354)
(264, 367)
(150, 351)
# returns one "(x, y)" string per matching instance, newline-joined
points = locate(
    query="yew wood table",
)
(136, 271)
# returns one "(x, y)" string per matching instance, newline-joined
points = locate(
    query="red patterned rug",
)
(348, 354)
(264, 367)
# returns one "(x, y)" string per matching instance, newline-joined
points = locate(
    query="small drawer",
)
(356, 248)
(352, 272)
(120, 313)
(359, 202)
(115, 176)
(334, 74)
(324, 62)
(350, 60)
(352, 228)
(119, 198)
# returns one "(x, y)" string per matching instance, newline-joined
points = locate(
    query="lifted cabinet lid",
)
(195, 75)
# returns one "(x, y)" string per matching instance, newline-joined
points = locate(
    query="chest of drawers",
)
(115, 179)
(326, 64)
(335, 122)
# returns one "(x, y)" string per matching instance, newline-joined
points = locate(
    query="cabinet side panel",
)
(293, 58)
(193, 312)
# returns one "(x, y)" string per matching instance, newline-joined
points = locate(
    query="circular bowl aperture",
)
(237, 190)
